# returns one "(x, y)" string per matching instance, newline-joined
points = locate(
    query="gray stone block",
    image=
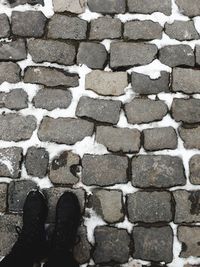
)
(16, 99)
(107, 7)
(112, 244)
(15, 3)
(104, 170)
(9, 72)
(28, 23)
(4, 26)
(3, 197)
(99, 109)
(75, 6)
(64, 130)
(65, 27)
(190, 136)
(160, 171)
(190, 8)
(50, 77)
(51, 51)
(145, 110)
(194, 165)
(13, 51)
(197, 54)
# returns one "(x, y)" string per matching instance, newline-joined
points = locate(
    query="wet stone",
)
(190, 8)
(144, 85)
(64, 169)
(50, 77)
(194, 165)
(36, 161)
(52, 98)
(107, 7)
(107, 111)
(10, 162)
(64, 27)
(177, 55)
(14, 3)
(17, 193)
(16, 99)
(3, 197)
(75, 6)
(187, 206)
(149, 207)
(14, 127)
(160, 171)
(28, 23)
(153, 244)
(190, 137)
(125, 54)
(112, 244)
(106, 83)
(108, 204)
(141, 110)
(93, 55)
(4, 26)
(54, 193)
(105, 28)
(13, 51)
(51, 51)
(148, 7)
(64, 130)
(186, 110)
(104, 170)
(142, 30)
(160, 138)
(9, 72)
(181, 30)
(118, 139)
(186, 80)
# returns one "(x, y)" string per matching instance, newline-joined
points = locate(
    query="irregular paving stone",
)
(186, 110)
(99, 109)
(160, 138)
(8, 234)
(14, 127)
(104, 170)
(83, 248)
(159, 171)
(17, 193)
(36, 161)
(14, 50)
(145, 110)
(50, 77)
(107, 7)
(28, 23)
(177, 55)
(52, 98)
(149, 207)
(51, 51)
(75, 6)
(118, 139)
(195, 169)
(197, 54)
(64, 130)
(9, 72)
(105, 28)
(107, 83)
(186, 80)
(142, 30)
(112, 244)
(10, 162)
(182, 30)
(4, 26)
(16, 99)
(14, 3)
(190, 8)
(93, 55)
(108, 204)
(64, 27)
(187, 208)
(144, 85)
(148, 7)
(125, 54)
(64, 168)
(190, 137)
(189, 236)
(54, 193)
(154, 243)
(3, 197)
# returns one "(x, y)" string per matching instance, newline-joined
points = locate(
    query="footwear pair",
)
(31, 246)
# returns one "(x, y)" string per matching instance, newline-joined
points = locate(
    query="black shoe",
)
(31, 244)
(68, 217)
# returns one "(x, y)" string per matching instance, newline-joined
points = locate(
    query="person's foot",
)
(31, 243)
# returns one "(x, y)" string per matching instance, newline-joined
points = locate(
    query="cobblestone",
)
(194, 165)
(9, 72)
(191, 9)
(13, 51)
(5, 26)
(75, 6)
(15, 3)
(107, 7)
(3, 197)
(16, 99)
(190, 137)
